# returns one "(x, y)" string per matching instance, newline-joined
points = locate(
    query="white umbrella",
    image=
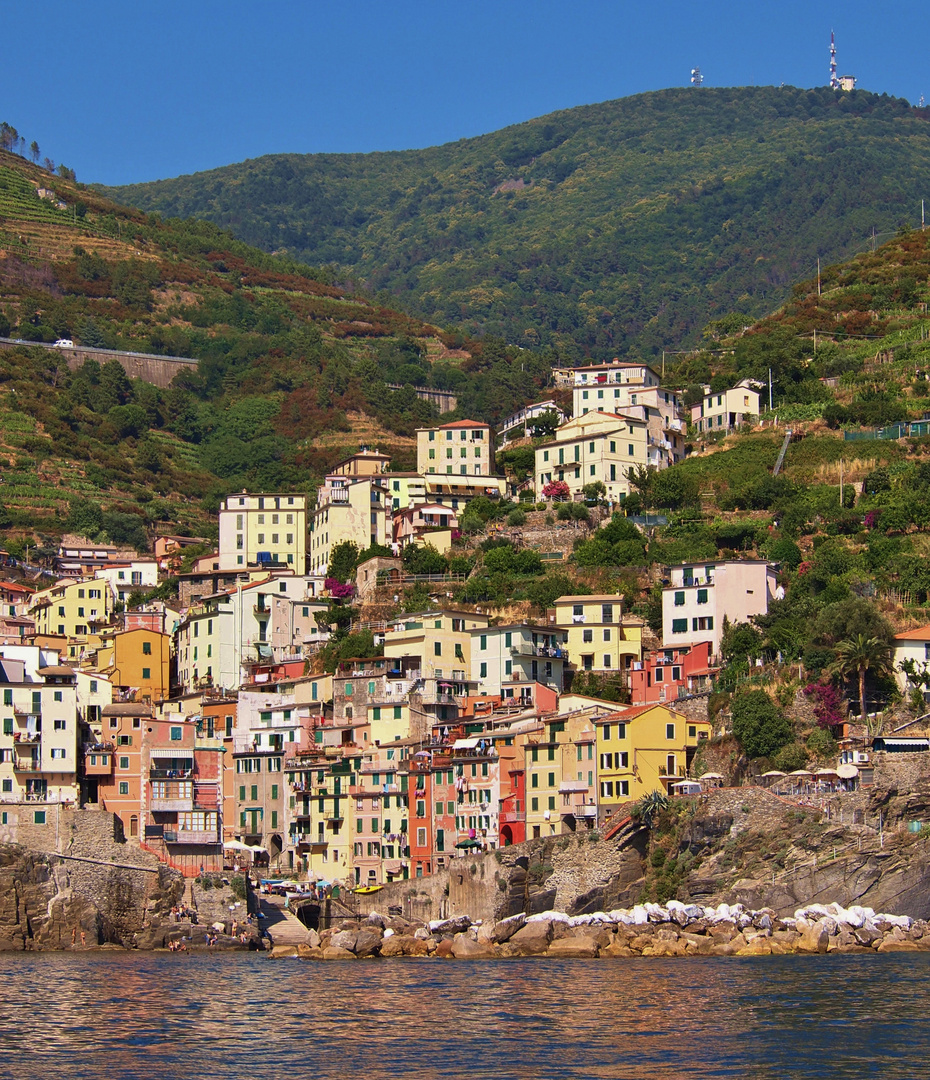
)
(800, 772)
(826, 772)
(773, 772)
(236, 845)
(711, 776)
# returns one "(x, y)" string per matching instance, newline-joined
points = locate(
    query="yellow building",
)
(462, 448)
(440, 639)
(139, 659)
(600, 638)
(561, 775)
(263, 530)
(404, 489)
(73, 609)
(348, 509)
(644, 749)
(594, 447)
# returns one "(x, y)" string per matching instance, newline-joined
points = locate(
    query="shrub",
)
(790, 757)
(516, 518)
(761, 729)
(564, 512)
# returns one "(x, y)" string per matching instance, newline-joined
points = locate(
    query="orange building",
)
(139, 660)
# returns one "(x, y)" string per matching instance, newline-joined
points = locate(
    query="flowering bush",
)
(556, 489)
(337, 590)
(871, 518)
(829, 707)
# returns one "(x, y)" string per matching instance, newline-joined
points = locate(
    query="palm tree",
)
(858, 655)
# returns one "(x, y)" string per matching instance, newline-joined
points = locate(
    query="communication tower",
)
(696, 77)
(834, 81)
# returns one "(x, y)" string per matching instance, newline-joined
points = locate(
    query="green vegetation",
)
(627, 225)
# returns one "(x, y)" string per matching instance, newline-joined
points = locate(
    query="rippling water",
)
(106, 1016)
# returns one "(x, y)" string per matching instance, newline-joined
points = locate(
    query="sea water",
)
(109, 1015)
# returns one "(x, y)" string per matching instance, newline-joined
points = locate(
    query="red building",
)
(667, 674)
(512, 817)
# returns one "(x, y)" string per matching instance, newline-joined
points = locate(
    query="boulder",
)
(465, 947)
(759, 946)
(313, 939)
(504, 930)
(443, 949)
(423, 934)
(581, 946)
(891, 944)
(309, 952)
(393, 946)
(280, 952)
(334, 952)
(617, 950)
(343, 939)
(531, 940)
(813, 937)
(450, 926)
(368, 942)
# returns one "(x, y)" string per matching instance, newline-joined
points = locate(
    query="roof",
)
(922, 633)
(625, 715)
(55, 669)
(126, 709)
(14, 586)
(595, 598)
(456, 424)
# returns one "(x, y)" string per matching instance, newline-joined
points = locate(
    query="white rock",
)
(639, 915)
(388, 933)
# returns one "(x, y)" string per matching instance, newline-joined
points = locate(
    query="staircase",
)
(783, 451)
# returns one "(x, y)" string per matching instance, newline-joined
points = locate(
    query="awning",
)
(468, 844)
(171, 755)
(464, 744)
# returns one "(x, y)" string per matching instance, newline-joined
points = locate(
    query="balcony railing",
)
(26, 765)
(510, 816)
(189, 836)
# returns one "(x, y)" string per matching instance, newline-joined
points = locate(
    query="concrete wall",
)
(158, 370)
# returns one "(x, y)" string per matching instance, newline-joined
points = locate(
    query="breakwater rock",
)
(670, 930)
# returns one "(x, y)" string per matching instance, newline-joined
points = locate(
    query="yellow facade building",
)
(73, 609)
(598, 446)
(263, 530)
(644, 749)
(462, 448)
(348, 509)
(600, 637)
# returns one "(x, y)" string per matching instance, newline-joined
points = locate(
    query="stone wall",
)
(75, 881)
(575, 874)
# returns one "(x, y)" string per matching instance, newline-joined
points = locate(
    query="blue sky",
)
(155, 88)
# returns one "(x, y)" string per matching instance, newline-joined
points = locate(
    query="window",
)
(146, 673)
(124, 787)
(124, 762)
(607, 635)
(254, 792)
(57, 753)
(534, 780)
(587, 635)
(534, 804)
(421, 838)
(607, 789)
(437, 648)
(670, 731)
(7, 785)
(702, 596)
(146, 648)
(61, 725)
(8, 695)
(38, 817)
(177, 733)
(679, 626)
(679, 599)
(58, 695)
(420, 808)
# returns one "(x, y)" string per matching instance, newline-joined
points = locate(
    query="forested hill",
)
(603, 229)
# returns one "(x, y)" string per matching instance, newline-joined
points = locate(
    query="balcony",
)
(189, 836)
(261, 610)
(511, 816)
(26, 765)
(170, 774)
(27, 738)
(587, 810)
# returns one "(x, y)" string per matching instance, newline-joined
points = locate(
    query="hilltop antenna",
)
(834, 81)
(696, 77)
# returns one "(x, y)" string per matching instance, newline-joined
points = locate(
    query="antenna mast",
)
(696, 77)
(834, 81)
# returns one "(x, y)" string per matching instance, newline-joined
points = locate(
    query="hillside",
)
(600, 230)
(293, 369)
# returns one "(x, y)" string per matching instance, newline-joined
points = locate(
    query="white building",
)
(727, 410)
(701, 595)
